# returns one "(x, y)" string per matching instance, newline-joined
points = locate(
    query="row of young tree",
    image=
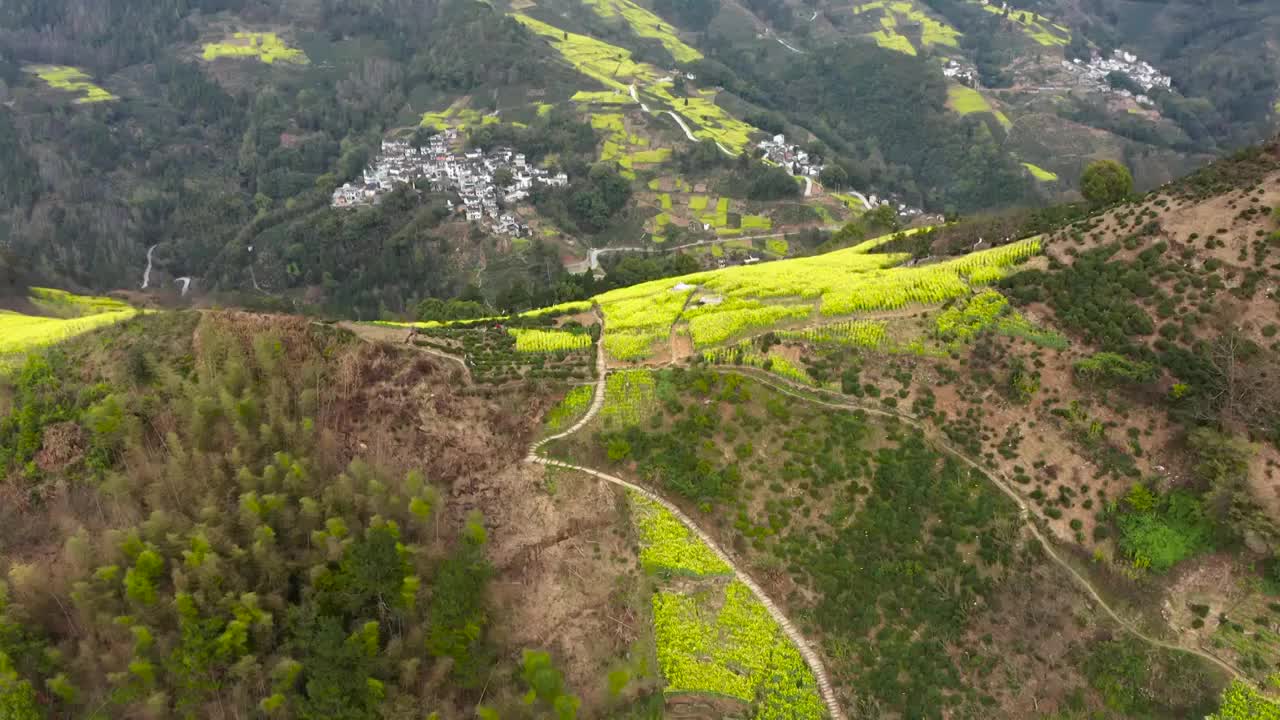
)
(234, 566)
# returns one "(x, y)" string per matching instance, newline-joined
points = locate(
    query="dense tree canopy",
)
(1105, 182)
(269, 576)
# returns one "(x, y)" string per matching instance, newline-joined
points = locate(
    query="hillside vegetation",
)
(920, 460)
(256, 524)
(993, 448)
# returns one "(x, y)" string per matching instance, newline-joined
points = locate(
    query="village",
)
(964, 73)
(797, 161)
(792, 157)
(1094, 73)
(487, 184)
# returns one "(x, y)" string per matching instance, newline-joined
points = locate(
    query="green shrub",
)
(1113, 368)
(1105, 182)
(1164, 533)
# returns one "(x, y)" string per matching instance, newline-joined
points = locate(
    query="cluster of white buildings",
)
(1095, 72)
(904, 210)
(470, 174)
(778, 151)
(963, 74)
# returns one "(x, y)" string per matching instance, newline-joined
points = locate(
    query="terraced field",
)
(1036, 27)
(610, 65)
(932, 32)
(458, 116)
(721, 305)
(967, 101)
(1040, 173)
(70, 79)
(616, 69)
(627, 149)
(646, 25)
(267, 47)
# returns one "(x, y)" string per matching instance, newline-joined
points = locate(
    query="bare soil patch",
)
(569, 579)
(63, 445)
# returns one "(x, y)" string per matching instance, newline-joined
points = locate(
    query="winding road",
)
(146, 274)
(679, 120)
(634, 96)
(854, 193)
(689, 133)
(788, 46)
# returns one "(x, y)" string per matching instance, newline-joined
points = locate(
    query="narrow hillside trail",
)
(594, 255)
(401, 336)
(789, 388)
(811, 657)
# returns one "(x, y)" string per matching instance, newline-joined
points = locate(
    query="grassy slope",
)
(63, 317)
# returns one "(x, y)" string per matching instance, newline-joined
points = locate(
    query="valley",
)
(992, 107)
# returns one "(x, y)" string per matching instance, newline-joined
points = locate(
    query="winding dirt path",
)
(806, 651)
(593, 258)
(789, 388)
(400, 336)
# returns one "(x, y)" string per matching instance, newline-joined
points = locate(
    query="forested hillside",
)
(1222, 57)
(183, 145)
(201, 158)
(273, 518)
